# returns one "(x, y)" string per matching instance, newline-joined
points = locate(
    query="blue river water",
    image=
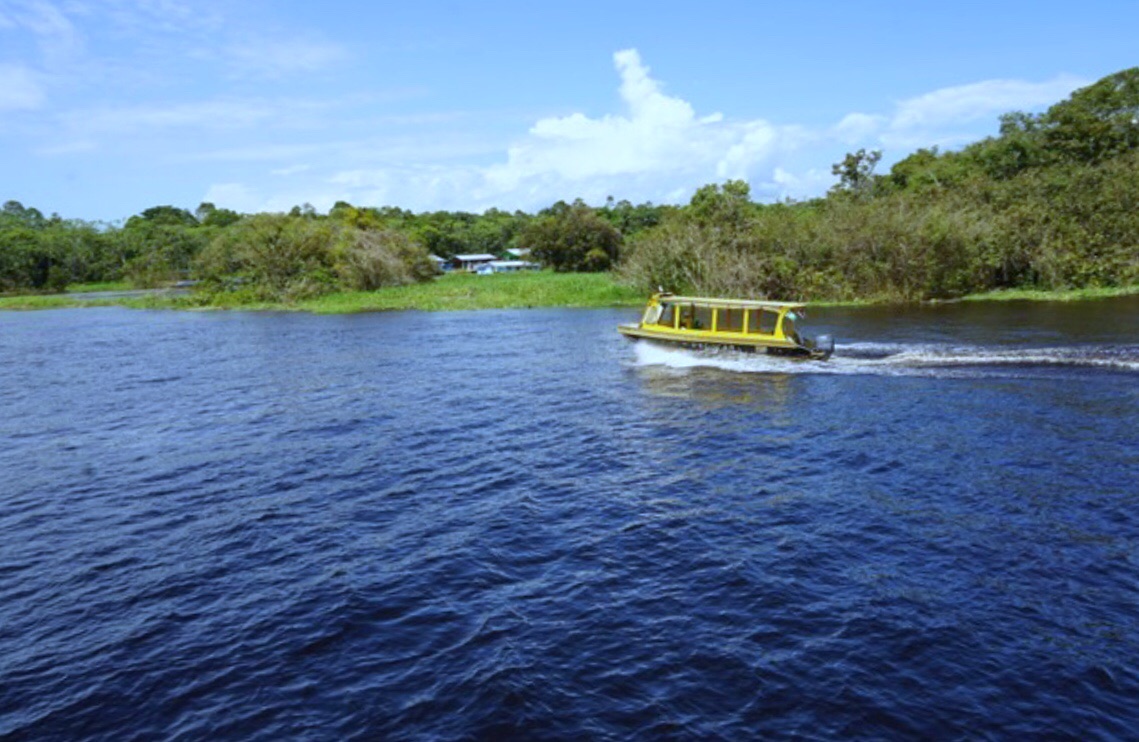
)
(519, 525)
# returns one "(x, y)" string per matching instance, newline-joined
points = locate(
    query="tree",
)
(728, 205)
(160, 253)
(1096, 122)
(169, 216)
(370, 259)
(209, 215)
(630, 219)
(856, 172)
(16, 212)
(573, 238)
(274, 256)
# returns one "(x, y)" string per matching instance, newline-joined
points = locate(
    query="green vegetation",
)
(84, 288)
(1049, 207)
(51, 301)
(573, 238)
(507, 290)
(1051, 204)
(272, 260)
(448, 292)
(1066, 295)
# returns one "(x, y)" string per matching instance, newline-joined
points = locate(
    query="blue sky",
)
(108, 107)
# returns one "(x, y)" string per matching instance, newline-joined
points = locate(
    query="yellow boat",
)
(692, 321)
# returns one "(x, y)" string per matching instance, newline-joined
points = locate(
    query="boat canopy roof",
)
(732, 303)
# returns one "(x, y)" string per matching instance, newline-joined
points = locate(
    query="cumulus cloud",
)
(656, 134)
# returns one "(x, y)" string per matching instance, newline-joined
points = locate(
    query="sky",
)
(109, 107)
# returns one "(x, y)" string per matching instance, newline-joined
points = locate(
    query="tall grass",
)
(500, 291)
(51, 301)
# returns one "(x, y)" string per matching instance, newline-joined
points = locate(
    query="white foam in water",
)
(894, 359)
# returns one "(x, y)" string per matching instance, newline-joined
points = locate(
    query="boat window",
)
(701, 318)
(652, 315)
(730, 320)
(762, 321)
(668, 315)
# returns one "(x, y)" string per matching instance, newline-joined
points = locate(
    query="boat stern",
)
(821, 347)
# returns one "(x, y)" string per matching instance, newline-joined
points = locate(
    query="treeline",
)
(284, 257)
(1051, 202)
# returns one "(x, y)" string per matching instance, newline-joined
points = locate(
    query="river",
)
(518, 524)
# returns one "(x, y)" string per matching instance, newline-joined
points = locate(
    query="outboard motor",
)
(822, 347)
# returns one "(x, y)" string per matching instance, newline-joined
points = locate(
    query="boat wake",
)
(902, 359)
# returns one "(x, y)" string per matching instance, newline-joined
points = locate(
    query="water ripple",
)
(210, 530)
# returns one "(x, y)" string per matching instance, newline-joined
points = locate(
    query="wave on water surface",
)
(899, 359)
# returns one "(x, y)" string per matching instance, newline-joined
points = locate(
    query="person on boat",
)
(789, 330)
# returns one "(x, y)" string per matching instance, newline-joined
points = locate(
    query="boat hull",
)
(701, 340)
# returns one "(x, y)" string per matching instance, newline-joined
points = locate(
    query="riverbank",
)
(457, 292)
(449, 292)
(1064, 295)
(503, 291)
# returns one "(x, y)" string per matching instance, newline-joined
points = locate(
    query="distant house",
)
(506, 266)
(518, 253)
(471, 262)
(441, 264)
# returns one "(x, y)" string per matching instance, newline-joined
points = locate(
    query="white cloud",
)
(948, 116)
(19, 88)
(857, 127)
(657, 135)
(757, 142)
(656, 148)
(981, 100)
(808, 184)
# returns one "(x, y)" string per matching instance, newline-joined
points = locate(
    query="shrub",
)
(368, 260)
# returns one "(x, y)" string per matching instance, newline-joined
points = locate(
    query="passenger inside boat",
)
(701, 318)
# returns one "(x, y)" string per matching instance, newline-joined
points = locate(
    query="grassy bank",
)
(502, 291)
(1063, 295)
(51, 301)
(449, 292)
(83, 288)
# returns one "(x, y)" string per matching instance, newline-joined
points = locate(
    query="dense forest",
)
(1051, 202)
